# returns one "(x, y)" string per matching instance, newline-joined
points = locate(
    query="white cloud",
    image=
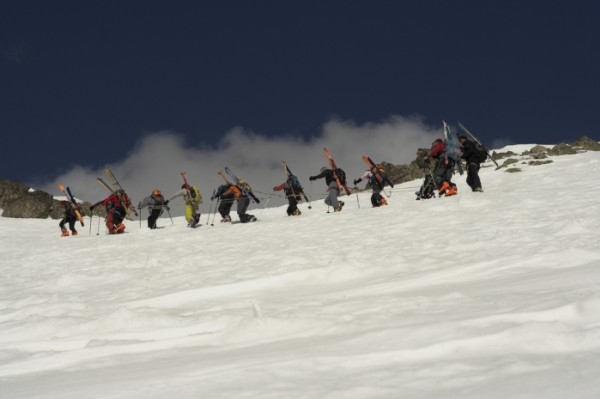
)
(158, 158)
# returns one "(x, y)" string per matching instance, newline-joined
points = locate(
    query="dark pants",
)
(242, 207)
(376, 199)
(443, 172)
(292, 203)
(154, 214)
(225, 206)
(115, 217)
(70, 220)
(473, 176)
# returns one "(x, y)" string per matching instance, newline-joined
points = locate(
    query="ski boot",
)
(451, 190)
(226, 219)
(64, 233)
(443, 188)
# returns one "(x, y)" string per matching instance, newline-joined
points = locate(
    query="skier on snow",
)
(116, 205)
(377, 186)
(192, 197)
(332, 188)
(444, 168)
(292, 191)
(228, 193)
(69, 217)
(472, 161)
(156, 204)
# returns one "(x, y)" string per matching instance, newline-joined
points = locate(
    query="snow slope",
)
(493, 295)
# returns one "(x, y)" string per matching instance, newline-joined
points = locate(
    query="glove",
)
(212, 197)
(257, 200)
(356, 181)
(274, 188)
(166, 202)
(312, 178)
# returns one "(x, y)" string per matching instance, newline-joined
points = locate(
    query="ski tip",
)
(61, 187)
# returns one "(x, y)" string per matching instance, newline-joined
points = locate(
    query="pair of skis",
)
(116, 189)
(245, 187)
(74, 205)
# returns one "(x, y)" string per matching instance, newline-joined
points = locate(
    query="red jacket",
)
(116, 201)
(437, 149)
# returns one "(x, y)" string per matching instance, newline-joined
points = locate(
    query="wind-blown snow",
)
(481, 295)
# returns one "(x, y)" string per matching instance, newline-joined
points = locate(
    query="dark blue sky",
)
(82, 81)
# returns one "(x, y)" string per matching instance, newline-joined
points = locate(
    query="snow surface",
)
(481, 295)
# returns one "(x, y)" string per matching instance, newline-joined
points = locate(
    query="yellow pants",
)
(190, 210)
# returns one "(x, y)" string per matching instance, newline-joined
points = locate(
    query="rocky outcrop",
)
(20, 201)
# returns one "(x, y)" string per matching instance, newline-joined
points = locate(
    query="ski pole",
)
(215, 213)
(306, 199)
(140, 218)
(169, 213)
(211, 204)
(91, 216)
(357, 201)
(265, 205)
(98, 232)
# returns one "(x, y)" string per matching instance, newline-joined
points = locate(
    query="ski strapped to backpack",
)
(479, 146)
(377, 171)
(192, 192)
(74, 205)
(296, 186)
(453, 150)
(243, 185)
(118, 190)
(338, 174)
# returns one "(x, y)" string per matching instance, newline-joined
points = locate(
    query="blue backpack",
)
(452, 144)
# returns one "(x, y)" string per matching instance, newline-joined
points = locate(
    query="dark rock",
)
(562, 149)
(11, 191)
(587, 144)
(36, 204)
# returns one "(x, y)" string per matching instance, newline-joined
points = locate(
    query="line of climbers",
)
(437, 178)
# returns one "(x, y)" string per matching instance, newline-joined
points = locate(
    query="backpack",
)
(452, 144)
(196, 196)
(295, 183)
(481, 152)
(158, 199)
(341, 175)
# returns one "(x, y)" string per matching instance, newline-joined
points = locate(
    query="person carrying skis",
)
(332, 187)
(472, 161)
(192, 197)
(156, 204)
(377, 187)
(292, 189)
(444, 167)
(69, 217)
(116, 208)
(227, 194)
